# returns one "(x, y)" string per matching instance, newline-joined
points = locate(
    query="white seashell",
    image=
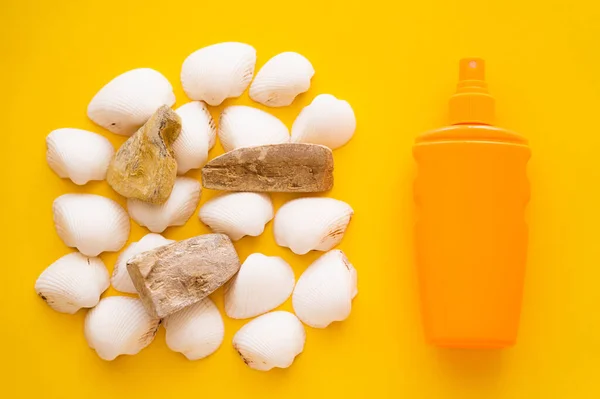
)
(91, 223)
(119, 325)
(271, 340)
(78, 154)
(312, 223)
(198, 133)
(175, 212)
(241, 126)
(262, 284)
(120, 279)
(217, 72)
(196, 331)
(325, 290)
(281, 79)
(125, 103)
(237, 214)
(72, 282)
(326, 121)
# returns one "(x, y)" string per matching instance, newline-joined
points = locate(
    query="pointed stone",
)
(144, 168)
(180, 274)
(289, 167)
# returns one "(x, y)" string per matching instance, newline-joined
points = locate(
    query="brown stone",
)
(144, 168)
(180, 274)
(291, 167)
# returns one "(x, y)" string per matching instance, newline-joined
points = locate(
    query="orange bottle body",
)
(471, 236)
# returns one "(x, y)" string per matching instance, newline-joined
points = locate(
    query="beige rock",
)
(144, 168)
(180, 274)
(299, 168)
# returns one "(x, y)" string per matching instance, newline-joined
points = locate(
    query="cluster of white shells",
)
(119, 325)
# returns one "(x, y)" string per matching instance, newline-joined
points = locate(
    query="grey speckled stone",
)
(180, 274)
(290, 167)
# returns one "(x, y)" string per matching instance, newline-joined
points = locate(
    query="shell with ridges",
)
(312, 223)
(237, 214)
(175, 212)
(78, 154)
(125, 103)
(281, 79)
(120, 279)
(262, 284)
(271, 340)
(217, 72)
(242, 126)
(119, 325)
(325, 290)
(197, 136)
(91, 223)
(73, 282)
(196, 331)
(326, 121)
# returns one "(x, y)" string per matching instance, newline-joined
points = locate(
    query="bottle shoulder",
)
(471, 133)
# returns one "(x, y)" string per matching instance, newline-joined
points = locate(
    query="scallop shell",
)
(262, 284)
(312, 223)
(120, 279)
(325, 290)
(196, 331)
(271, 340)
(73, 282)
(326, 121)
(175, 212)
(237, 214)
(197, 136)
(119, 325)
(241, 126)
(125, 103)
(78, 154)
(281, 79)
(91, 223)
(217, 72)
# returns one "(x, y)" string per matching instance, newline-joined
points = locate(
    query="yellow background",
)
(396, 63)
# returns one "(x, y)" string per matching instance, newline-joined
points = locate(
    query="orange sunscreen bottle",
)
(471, 237)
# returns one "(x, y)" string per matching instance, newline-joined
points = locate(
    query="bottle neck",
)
(471, 108)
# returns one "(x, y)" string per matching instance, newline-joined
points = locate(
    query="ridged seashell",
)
(196, 331)
(237, 214)
(326, 121)
(175, 212)
(262, 284)
(198, 133)
(271, 340)
(125, 103)
(325, 290)
(91, 223)
(78, 154)
(313, 223)
(119, 325)
(242, 126)
(73, 282)
(281, 79)
(120, 279)
(217, 72)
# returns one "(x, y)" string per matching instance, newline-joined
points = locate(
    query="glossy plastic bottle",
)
(471, 237)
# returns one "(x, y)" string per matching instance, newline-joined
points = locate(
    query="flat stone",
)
(287, 168)
(180, 274)
(144, 168)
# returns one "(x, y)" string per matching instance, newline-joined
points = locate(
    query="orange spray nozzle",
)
(471, 69)
(472, 102)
